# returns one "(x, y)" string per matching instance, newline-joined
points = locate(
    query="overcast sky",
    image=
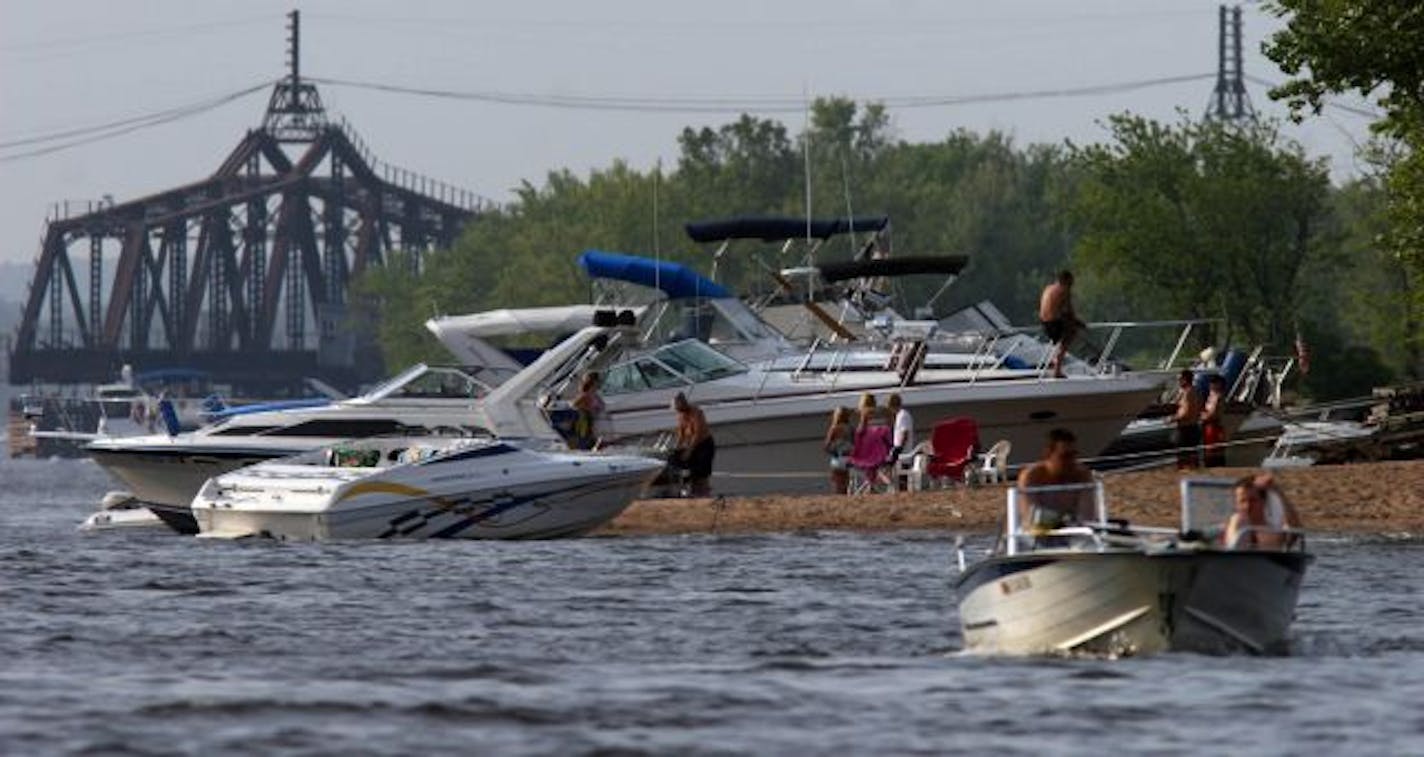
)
(79, 63)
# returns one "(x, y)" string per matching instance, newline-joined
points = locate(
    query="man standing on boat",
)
(1060, 323)
(1058, 468)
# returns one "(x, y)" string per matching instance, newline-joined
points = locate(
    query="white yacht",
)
(1104, 587)
(166, 471)
(418, 488)
(769, 400)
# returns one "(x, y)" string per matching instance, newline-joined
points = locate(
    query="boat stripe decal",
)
(502, 507)
(380, 487)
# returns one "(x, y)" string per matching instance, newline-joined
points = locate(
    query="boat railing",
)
(1066, 501)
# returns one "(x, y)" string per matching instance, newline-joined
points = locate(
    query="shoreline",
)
(1370, 498)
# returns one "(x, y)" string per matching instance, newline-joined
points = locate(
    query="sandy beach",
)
(1386, 497)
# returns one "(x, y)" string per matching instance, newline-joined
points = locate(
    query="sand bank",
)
(1385, 497)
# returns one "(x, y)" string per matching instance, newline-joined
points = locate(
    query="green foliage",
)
(1202, 219)
(1164, 222)
(1374, 48)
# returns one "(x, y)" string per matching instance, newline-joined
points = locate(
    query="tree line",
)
(1187, 219)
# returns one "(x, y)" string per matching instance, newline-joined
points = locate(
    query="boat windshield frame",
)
(390, 388)
(1013, 531)
(682, 372)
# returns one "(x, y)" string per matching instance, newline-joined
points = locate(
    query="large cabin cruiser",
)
(1100, 586)
(769, 400)
(166, 471)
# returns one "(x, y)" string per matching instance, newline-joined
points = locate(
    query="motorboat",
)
(1106, 587)
(419, 488)
(1253, 381)
(768, 399)
(120, 511)
(166, 471)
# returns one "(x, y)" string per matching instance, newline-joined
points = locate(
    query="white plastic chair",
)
(910, 467)
(995, 463)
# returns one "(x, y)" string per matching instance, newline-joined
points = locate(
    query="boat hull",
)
(1108, 603)
(537, 510)
(774, 445)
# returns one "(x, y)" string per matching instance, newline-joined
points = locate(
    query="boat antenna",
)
(657, 247)
(806, 162)
(850, 214)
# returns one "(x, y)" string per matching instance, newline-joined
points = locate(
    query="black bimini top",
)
(947, 265)
(775, 229)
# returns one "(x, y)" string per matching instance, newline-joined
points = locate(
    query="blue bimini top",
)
(677, 281)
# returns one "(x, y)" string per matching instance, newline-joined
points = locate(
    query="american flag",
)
(1302, 353)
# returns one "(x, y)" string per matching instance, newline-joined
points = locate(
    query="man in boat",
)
(1264, 515)
(1060, 323)
(695, 447)
(1059, 467)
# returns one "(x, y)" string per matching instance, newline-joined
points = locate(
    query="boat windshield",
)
(717, 321)
(426, 382)
(678, 364)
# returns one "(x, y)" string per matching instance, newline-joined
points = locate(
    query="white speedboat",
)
(418, 488)
(166, 471)
(1108, 588)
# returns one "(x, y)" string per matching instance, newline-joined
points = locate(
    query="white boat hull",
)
(1120, 603)
(774, 445)
(478, 502)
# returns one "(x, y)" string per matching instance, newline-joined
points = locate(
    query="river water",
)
(146, 642)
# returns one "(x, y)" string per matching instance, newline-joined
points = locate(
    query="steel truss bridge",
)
(226, 274)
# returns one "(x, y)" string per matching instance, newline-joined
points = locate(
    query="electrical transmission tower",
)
(1229, 101)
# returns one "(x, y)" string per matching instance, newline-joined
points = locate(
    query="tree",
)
(1376, 49)
(1201, 219)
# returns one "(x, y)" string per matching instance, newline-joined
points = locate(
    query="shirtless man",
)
(1188, 421)
(695, 447)
(1058, 467)
(1060, 323)
(1260, 504)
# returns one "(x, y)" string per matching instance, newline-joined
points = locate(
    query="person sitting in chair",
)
(1059, 467)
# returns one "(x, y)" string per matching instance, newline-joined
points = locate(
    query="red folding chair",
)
(952, 448)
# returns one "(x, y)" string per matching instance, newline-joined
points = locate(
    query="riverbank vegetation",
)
(1182, 219)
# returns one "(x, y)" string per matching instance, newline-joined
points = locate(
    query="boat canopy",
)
(776, 229)
(675, 280)
(948, 265)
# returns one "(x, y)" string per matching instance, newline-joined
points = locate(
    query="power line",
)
(161, 31)
(1353, 109)
(763, 104)
(113, 129)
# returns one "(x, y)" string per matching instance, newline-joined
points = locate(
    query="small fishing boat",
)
(1105, 587)
(423, 487)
